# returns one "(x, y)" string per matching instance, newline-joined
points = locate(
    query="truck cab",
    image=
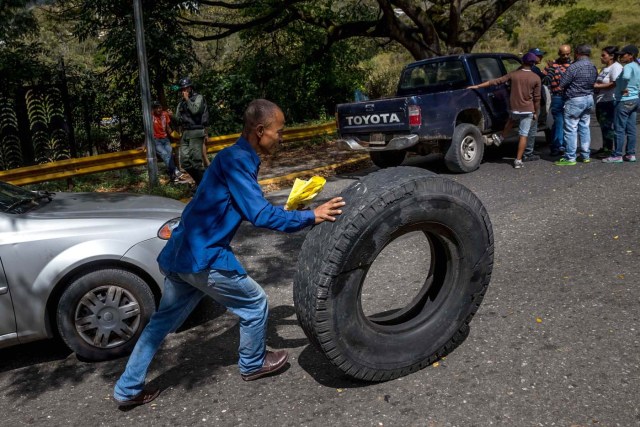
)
(433, 111)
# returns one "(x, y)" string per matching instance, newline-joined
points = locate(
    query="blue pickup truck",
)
(433, 112)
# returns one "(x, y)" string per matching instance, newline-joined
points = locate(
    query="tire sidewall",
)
(385, 350)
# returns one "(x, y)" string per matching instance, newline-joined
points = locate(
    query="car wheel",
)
(102, 313)
(336, 259)
(466, 149)
(387, 159)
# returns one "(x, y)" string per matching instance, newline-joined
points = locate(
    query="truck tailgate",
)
(382, 115)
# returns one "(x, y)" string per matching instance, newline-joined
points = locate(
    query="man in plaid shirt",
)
(554, 72)
(577, 84)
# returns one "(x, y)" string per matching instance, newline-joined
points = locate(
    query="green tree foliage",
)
(423, 28)
(19, 49)
(286, 67)
(169, 49)
(626, 34)
(16, 20)
(509, 22)
(580, 25)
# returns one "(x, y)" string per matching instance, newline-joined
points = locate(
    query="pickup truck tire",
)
(466, 149)
(336, 257)
(387, 159)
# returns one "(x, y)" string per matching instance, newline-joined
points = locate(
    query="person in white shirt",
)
(605, 88)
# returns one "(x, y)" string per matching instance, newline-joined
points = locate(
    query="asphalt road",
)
(555, 341)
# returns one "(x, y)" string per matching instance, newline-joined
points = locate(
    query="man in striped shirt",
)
(554, 71)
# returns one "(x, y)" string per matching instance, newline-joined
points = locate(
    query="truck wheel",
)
(387, 159)
(466, 150)
(336, 258)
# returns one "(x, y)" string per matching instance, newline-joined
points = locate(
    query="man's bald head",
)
(259, 112)
(564, 54)
(263, 125)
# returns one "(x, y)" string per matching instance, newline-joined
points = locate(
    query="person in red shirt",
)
(161, 132)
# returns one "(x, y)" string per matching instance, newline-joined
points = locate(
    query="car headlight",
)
(167, 228)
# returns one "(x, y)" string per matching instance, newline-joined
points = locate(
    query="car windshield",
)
(433, 77)
(16, 200)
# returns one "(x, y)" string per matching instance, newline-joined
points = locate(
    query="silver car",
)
(81, 266)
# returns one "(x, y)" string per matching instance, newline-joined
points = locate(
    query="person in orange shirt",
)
(161, 132)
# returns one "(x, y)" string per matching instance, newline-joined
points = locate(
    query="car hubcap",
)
(468, 148)
(107, 316)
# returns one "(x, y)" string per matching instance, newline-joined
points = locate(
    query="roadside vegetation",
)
(131, 180)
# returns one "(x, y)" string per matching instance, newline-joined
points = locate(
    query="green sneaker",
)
(583, 160)
(565, 162)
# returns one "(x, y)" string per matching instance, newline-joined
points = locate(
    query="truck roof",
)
(462, 56)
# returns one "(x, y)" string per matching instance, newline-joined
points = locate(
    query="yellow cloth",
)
(175, 134)
(303, 192)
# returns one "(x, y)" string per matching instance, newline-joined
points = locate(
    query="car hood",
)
(107, 205)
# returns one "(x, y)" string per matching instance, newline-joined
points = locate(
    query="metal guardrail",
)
(125, 159)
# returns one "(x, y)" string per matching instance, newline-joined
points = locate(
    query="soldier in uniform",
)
(192, 114)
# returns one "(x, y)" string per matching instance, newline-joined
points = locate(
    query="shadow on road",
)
(188, 363)
(32, 354)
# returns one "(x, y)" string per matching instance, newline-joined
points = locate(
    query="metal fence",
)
(69, 168)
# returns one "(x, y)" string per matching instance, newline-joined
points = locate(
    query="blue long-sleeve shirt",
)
(228, 194)
(629, 80)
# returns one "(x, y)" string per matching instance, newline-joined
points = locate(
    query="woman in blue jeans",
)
(626, 110)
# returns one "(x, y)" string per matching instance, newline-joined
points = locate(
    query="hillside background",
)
(535, 26)
(528, 25)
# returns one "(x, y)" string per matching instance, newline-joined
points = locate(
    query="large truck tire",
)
(466, 150)
(336, 257)
(387, 159)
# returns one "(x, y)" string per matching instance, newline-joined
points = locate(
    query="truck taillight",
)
(415, 117)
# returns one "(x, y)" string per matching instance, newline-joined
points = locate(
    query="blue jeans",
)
(182, 292)
(605, 112)
(577, 116)
(163, 149)
(626, 113)
(524, 121)
(531, 138)
(557, 111)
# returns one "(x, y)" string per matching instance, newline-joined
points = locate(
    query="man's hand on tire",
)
(329, 210)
